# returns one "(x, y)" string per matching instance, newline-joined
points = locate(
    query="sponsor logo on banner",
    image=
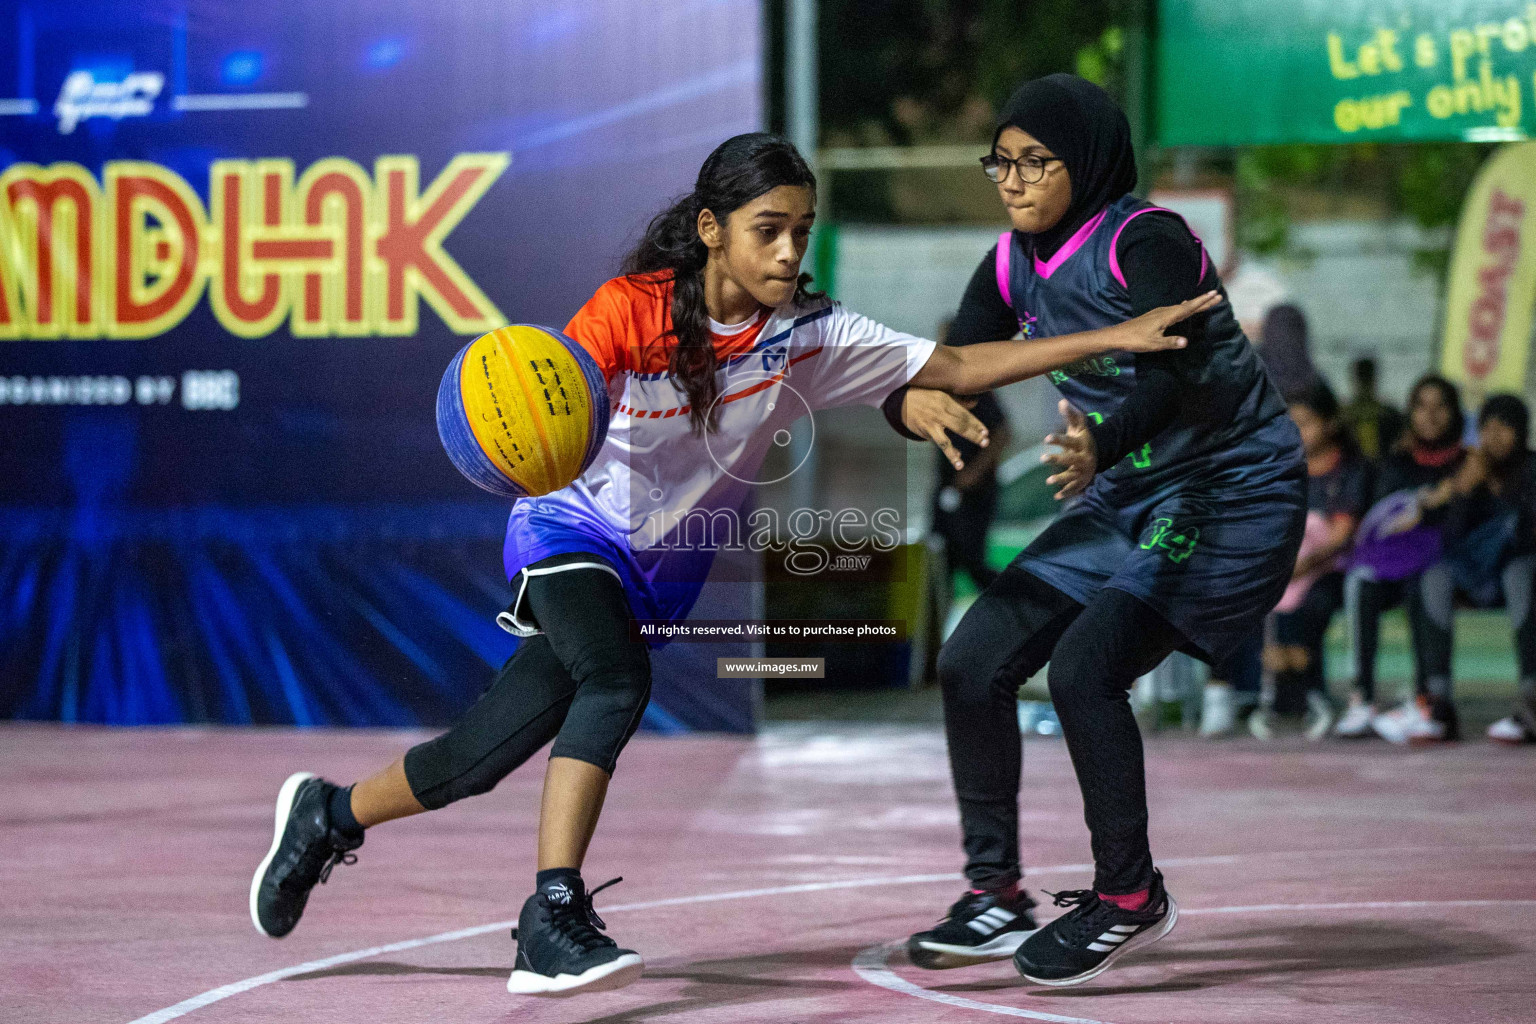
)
(83, 97)
(332, 251)
(1491, 294)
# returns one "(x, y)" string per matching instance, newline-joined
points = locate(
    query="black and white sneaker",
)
(304, 850)
(981, 926)
(1083, 942)
(560, 950)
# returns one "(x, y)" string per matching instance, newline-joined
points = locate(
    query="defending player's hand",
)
(1077, 459)
(1147, 333)
(937, 414)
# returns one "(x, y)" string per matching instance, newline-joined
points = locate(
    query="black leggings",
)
(1371, 599)
(965, 533)
(582, 683)
(1095, 653)
(1306, 627)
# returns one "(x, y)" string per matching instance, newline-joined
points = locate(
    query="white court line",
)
(1266, 908)
(215, 995)
(870, 964)
(241, 101)
(223, 992)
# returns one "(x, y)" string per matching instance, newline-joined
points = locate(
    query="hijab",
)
(1285, 348)
(1081, 124)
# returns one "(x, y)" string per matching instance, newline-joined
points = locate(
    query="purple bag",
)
(1389, 557)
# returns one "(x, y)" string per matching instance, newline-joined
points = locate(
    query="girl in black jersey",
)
(1187, 501)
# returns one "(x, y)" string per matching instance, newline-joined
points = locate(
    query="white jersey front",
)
(655, 476)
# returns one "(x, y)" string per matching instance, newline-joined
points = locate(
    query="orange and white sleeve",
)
(602, 327)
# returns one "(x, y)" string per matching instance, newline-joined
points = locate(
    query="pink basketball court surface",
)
(765, 880)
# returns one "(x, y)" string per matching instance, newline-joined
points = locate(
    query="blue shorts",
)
(538, 531)
(1212, 556)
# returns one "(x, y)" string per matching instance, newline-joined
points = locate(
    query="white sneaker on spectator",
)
(1356, 720)
(1388, 724)
(1218, 710)
(1261, 724)
(1427, 730)
(1319, 715)
(1409, 723)
(1510, 730)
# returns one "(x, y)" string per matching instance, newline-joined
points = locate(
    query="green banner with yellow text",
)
(1254, 72)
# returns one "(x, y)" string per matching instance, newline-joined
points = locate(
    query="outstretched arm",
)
(918, 413)
(1163, 264)
(977, 368)
(935, 415)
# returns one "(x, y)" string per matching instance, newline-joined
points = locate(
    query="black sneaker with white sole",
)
(304, 850)
(1086, 940)
(560, 948)
(981, 926)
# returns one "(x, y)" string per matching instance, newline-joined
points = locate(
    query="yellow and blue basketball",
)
(522, 411)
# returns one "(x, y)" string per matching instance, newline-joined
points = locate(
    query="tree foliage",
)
(899, 72)
(1424, 182)
(915, 72)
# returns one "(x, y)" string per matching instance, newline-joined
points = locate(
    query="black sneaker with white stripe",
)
(1083, 942)
(305, 847)
(560, 949)
(981, 926)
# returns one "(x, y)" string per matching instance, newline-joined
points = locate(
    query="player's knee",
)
(614, 678)
(443, 770)
(1075, 674)
(604, 716)
(1065, 684)
(625, 689)
(964, 674)
(613, 664)
(472, 783)
(951, 667)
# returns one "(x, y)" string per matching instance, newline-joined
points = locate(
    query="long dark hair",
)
(740, 169)
(1512, 411)
(1319, 398)
(1451, 395)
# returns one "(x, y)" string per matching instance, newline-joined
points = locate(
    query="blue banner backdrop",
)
(238, 245)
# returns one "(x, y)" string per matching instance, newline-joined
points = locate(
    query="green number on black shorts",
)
(1179, 544)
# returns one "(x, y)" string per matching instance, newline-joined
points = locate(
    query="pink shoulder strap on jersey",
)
(1114, 243)
(1004, 250)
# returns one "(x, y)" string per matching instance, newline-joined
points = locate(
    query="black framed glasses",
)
(1030, 168)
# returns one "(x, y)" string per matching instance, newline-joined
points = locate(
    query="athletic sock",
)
(1128, 901)
(566, 875)
(339, 807)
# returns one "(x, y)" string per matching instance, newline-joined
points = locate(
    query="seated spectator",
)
(1234, 689)
(1385, 558)
(1489, 530)
(1374, 424)
(1338, 494)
